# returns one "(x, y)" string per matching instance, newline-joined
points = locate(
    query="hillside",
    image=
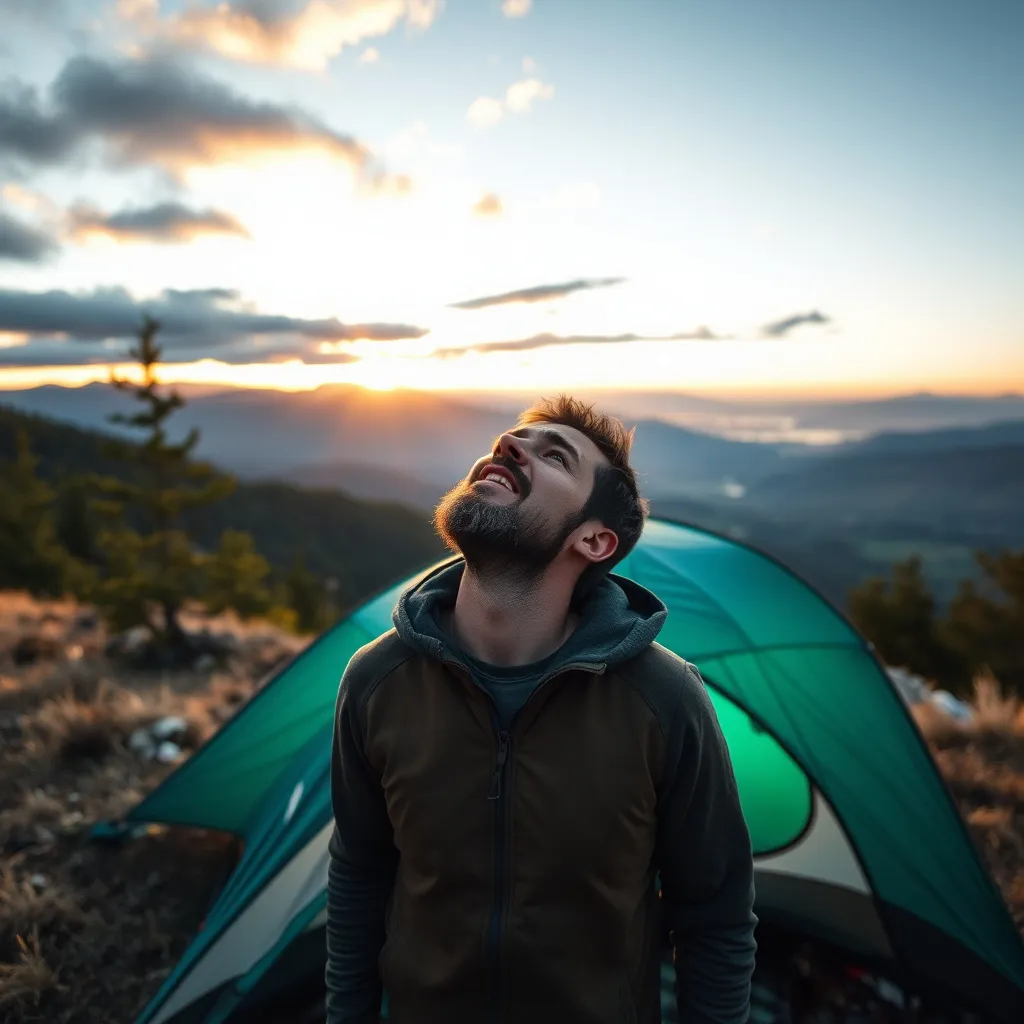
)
(260, 434)
(365, 545)
(970, 494)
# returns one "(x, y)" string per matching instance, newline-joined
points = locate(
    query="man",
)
(518, 760)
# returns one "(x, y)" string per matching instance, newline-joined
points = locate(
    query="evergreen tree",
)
(151, 567)
(31, 556)
(236, 577)
(988, 631)
(899, 618)
(309, 597)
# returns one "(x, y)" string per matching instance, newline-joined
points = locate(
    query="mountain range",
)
(835, 512)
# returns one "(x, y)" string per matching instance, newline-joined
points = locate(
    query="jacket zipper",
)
(498, 794)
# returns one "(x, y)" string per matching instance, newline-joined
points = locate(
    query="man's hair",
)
(615, 499)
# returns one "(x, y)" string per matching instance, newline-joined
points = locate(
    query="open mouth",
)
(499, 475)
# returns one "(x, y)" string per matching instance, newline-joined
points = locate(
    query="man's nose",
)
(511, 448)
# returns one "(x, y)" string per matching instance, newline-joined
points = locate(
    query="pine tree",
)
(308, 596)
(151, 566)
(31, 556)
(236, 577)
(899, 618)
(985, 623)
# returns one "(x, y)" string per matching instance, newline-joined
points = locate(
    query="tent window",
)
(774, 791)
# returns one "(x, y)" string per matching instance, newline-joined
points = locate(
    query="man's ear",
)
(595, 542)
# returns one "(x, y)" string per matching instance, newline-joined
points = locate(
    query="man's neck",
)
(507, 625)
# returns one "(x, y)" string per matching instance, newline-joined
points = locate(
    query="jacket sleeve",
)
(361, 869)
(706, 865)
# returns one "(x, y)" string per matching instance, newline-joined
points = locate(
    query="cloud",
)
(370, 55)
(204, 323)
(516, 8)
(22, 243)
(520, 95)
(488, 205)
(159, 113)
(519, 98)
(780, 328)
(485, 111)
(538, 293)
(164, 222)
(303, 34)
(546, 340)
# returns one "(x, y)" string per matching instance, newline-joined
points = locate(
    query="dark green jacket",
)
(494, 856)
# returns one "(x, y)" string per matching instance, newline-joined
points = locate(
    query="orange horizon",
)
(186, 374)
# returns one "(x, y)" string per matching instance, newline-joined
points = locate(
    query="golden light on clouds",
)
(307, 39)
(488, 205)
(516, 8)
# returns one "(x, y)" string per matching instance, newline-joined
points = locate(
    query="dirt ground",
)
(88, 931)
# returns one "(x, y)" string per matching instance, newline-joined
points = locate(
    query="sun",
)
(375, 374)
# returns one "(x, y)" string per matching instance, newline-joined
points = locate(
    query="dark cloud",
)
(155, 112)
(28, 132)
(195, 324)
(164, 222)
(781, 328)
(46, 351)
(546, 340)
(24, 243)
(539, 293)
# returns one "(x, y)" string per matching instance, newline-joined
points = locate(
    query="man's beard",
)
(502, 544)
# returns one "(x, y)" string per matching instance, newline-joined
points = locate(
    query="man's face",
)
(519, 505)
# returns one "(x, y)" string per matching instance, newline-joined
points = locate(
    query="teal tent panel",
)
(291, 814)
(838, 714)
(724, 597)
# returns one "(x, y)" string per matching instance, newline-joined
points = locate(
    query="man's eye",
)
(558, 455)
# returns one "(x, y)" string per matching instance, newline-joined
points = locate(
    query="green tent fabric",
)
(856, 837)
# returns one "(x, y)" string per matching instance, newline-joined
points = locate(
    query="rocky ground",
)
(89, 931)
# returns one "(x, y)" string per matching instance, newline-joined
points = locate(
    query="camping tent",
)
(858, 843)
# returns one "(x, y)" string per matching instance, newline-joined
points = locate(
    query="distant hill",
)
(972, 493)
(992, 435)
(369, 482)
(365, 545)
(423, 437)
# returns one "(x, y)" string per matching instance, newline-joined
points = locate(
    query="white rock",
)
(912, 688)
(141, 742)
(168, 728)
(956, 709)
(168, 753)
(38, 882)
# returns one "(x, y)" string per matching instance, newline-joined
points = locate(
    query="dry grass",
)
(108, 921)
(25, 983)
(24, 909)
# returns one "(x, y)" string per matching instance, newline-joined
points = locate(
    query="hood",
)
(617, 620)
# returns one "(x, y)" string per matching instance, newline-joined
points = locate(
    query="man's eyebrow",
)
(553, 437)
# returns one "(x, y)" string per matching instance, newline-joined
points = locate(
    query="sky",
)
(731, 197)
